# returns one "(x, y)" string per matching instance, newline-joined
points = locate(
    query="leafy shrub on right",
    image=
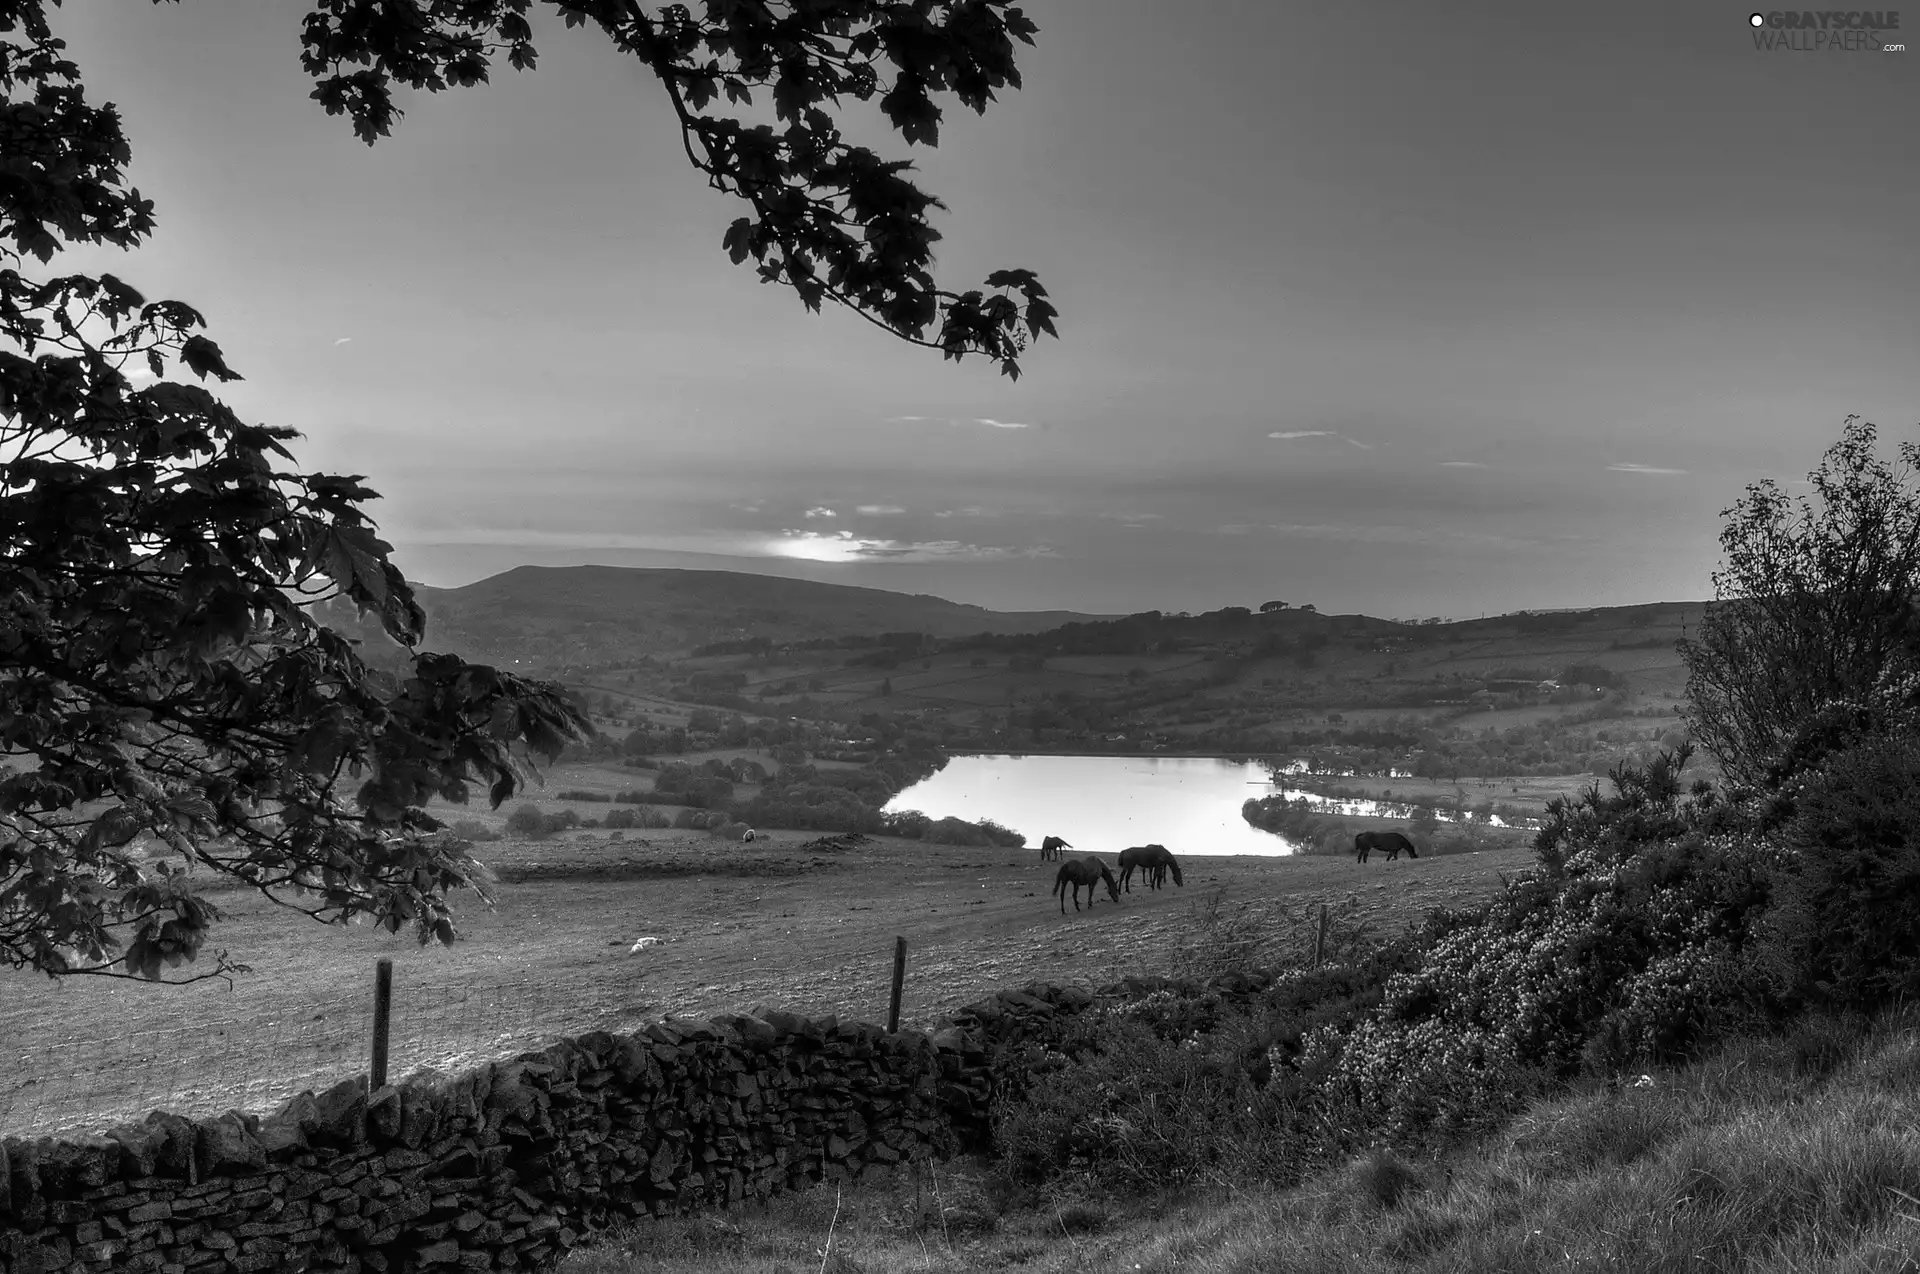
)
(1847, 922)
(1634, 941)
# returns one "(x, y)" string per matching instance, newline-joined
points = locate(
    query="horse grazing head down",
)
(1087, 871)
(1163, 857)
(1391, 842)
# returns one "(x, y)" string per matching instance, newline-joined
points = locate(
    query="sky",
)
(1400, 308)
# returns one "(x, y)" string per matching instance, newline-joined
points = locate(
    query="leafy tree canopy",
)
(170, 710)
(1814, 640)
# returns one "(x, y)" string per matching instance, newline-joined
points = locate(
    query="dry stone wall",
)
(508, 1166)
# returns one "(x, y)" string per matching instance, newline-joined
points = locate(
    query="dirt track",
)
(731, 927)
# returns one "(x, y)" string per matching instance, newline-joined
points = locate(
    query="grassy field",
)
(1791, 1156)
(608, 930)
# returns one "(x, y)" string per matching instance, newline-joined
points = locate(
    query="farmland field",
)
(600, 930)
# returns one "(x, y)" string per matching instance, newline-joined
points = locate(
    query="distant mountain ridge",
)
(553, 615)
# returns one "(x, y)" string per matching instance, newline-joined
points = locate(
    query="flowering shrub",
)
(1635, 939)
(1420, 1078)
(1558, 954)
(1699, 991)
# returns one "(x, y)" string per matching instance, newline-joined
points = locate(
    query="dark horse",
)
(1391, 842)
(1154, 862)
(1088, 871)
(1051, 847)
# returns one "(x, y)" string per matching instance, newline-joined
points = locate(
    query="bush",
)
(1816, 607)
(958, 831)
(527, 820)
(626, 818)
(474, 830)
(575, 794)
(699, 819)
(685, 785)
(1296, 819)
(910, 824)
(812, 807)
(1003, 837)
(1145, 1113)
(1848, 920)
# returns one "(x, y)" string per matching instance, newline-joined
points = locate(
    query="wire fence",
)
(214, 1051)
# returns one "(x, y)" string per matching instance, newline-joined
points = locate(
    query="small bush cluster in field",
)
(913, 825)
(531, 820)
(474, 830)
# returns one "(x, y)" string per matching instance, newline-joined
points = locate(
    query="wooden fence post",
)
(899, 976)
(1320, 937)
(382, 1020)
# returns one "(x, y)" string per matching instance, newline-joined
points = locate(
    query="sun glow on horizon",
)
(813, 546)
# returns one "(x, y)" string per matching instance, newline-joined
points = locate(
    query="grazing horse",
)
(1391, 842)
(1154, 861)
(1051, 847)
(1088, 871)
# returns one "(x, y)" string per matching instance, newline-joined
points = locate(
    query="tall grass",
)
(1797, 1154)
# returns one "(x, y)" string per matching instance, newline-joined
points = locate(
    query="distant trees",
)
(1814, 639)
(1268, 608)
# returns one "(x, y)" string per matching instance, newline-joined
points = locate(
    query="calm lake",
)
(1102, 804)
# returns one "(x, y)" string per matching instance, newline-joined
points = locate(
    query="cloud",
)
(1290, 435)
(1642, 468)
(961, 420)
(343, 340)
(1132, 519)
(879, 510)
(819, 511)
(1461, 464)
(845, 546)
(1377, 533)
(528, 537)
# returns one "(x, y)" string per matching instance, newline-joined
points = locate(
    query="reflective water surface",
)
(1102, 804)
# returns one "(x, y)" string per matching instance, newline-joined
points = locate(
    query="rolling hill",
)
(541, 616)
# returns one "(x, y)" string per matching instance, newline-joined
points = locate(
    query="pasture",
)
(608, 930)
